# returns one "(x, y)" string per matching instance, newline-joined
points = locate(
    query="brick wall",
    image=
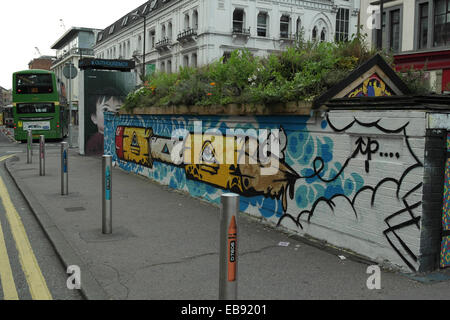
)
(40, 64)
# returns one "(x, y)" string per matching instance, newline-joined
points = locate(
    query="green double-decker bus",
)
(39, 105)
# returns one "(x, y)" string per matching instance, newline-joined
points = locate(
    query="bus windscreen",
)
(32, 108)
(34, 84)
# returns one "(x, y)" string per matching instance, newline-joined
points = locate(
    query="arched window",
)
(169, 30)
(195, 20)
(186, 21)
(314, 34)
(323, 35)
(298, 29)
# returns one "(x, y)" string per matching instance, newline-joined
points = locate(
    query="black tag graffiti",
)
(367, 148)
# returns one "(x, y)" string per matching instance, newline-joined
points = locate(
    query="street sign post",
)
(70, 72)
(64, 169)
(107, 195)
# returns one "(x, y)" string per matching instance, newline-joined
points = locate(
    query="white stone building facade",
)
(197, 32)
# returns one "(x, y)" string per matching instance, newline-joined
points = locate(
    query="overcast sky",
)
(26, 24)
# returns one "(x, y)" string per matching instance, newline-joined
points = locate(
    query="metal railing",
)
(241, 31)
(165, 42)
(75, 51)
(187, 34)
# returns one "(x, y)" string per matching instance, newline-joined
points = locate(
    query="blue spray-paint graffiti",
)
(299, 155)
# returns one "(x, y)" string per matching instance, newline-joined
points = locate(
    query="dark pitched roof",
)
(130, 19)
(377, 60)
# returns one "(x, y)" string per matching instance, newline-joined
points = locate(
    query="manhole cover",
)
(76, 209)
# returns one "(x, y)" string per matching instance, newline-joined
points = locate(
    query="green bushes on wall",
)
(301, 73)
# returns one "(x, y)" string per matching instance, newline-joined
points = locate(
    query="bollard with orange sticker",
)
(232, 250)
(229, 247)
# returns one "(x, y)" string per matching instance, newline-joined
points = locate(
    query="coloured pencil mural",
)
(445, 247)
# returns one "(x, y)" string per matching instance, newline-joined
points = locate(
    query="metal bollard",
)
(107, 195)
(228, 288)
(64, 168)
(30, 147)
(42, 156)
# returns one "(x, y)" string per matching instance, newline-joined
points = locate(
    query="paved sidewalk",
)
(165, 244)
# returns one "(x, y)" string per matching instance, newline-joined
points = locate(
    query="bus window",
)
(34, 84)
(24, 108)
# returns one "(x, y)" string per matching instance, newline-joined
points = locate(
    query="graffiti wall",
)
(353, 180)
(445, 250)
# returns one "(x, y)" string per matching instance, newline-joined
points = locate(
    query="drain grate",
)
(75, 209)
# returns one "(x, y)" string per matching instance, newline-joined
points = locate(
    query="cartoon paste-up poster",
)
(103, 91)
(374, 86)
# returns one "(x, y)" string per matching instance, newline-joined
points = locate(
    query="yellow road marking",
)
(35, 279)
(6, 276)
(6, 157)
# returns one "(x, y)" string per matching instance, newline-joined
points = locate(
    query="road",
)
(29, 266)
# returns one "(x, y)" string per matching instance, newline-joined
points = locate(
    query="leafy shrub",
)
(300, 73)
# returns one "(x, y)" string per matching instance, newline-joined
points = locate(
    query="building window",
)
(195, 20)
(238, 20)
(284, 27)
(194, 60)
(323, 35)
(342, 23)
(186, 61)
(152, 38)
(169, 31)
(314, 34)
(262, 24)
(299, 28)
(441, 22)
(423, 25)
(394, 31)
(163, 31)
(226, 56)
(186, 21)
(169, 66)
(139, 44)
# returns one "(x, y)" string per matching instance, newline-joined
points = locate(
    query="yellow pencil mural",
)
(229, 163)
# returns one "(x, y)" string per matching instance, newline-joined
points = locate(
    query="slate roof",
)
(129, 19)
